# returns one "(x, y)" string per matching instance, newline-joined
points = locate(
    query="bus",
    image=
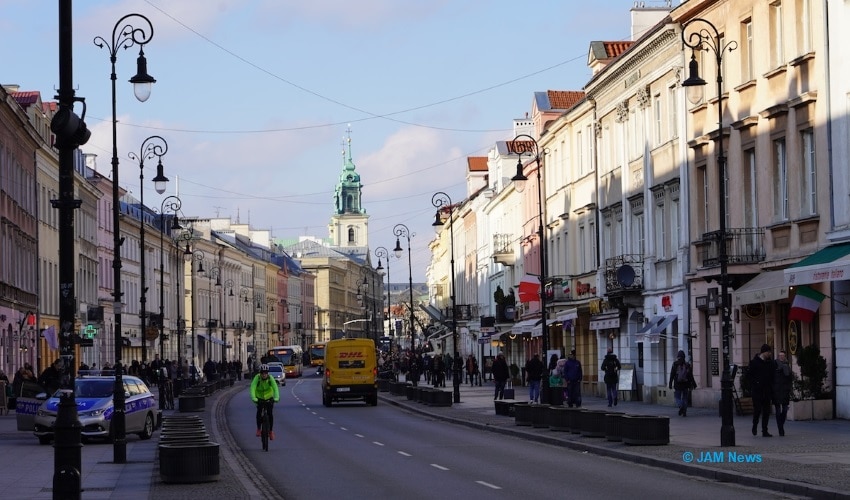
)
(317, 354)
(291, 356)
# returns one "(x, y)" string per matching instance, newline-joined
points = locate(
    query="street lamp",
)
(213, 272)
(708, 38)
(401, 230)
(243, 293)
(519, 180)
(443, 203)
(191, 256)
(228, 284)
(382, 252)
(152, 147)
(170, 204)
(124, 35)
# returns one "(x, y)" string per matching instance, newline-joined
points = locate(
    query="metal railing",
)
(744, 245)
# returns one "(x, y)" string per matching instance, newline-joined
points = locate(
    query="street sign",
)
(90, 332)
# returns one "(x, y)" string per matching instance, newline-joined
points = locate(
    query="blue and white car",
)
(95, 409)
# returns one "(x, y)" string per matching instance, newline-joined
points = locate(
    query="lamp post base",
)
(727, 428)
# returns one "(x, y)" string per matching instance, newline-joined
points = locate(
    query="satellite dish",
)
(626, 275)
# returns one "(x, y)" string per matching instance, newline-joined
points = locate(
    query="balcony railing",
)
(744, 245)
(624, 273)
(465, 312)
(503, 251)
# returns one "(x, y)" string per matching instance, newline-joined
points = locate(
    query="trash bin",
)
(556, 396)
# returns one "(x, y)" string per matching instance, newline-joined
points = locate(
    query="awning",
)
(214, 340)
(523, 326)
(828, 264)
(567, 315)
(665, 322)
(766, 287)
(605, 321)
(651, 325)
(536, 331)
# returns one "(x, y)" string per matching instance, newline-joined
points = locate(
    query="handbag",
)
(509, 392)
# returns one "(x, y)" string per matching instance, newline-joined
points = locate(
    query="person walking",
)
(611, 368)
(782, 380)
(682, 381)
(760, 374)
(534, 372)
(572, 377)
(500, 376)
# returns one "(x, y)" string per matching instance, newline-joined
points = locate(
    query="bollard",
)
(67, 459)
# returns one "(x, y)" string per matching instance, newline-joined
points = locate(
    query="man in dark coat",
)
(611, 368)
(573, 376)
(500, 376)
(760, 375)
(534, 371)
(782, 381)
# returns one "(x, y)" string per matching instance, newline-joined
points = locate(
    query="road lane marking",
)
(404, 454)
(436, 466)
(343, 429)
(378, 443)
(360, 435)
(491, 486)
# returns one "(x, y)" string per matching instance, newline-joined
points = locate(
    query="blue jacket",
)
(572, 370)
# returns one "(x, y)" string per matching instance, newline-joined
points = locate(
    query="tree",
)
(813, 374)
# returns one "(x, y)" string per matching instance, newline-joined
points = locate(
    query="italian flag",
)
(806, 303)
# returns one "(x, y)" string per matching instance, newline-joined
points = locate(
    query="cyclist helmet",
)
(264, 368)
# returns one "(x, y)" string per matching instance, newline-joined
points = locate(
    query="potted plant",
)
(810, 398)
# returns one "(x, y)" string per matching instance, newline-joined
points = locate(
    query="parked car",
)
(95, 409)
(277, 372)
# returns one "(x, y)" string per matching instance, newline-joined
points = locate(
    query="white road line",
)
(360, 435)
(332, 423)
(405, 454)
(343, 429)
(321, 418)
(436, 466)
(491, 486)
(378, 443)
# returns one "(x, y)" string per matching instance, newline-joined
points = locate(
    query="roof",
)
(477, 163)
(564, 99)
(515, 147)
(26, 97)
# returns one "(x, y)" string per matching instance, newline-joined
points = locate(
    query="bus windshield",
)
(317, 354)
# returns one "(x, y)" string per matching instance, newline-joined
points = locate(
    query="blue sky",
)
(255, 96)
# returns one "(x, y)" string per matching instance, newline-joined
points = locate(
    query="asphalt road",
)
(357, 451)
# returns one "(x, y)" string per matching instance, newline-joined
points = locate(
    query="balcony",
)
(624, 274)
(743, 246)
(503, 249)
(465, 312)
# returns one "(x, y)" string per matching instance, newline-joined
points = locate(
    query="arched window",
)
(351, 235)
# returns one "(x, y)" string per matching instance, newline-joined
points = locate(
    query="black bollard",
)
(67, 459)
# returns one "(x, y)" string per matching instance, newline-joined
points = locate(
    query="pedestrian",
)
(51, 378)
(611, 368)
(573, 376)
(782, 380)
(500, 376)
(438, 371)
(534, 371)
(760, 375)
(682, 381)
(471, 369)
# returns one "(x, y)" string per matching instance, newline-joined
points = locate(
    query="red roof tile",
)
(614, 49)
(515, 147)
(564, 99)
(27, 97)
(477, 163)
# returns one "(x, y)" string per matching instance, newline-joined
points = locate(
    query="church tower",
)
(349, 224)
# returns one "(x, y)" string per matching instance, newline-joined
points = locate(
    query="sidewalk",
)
(812, 459)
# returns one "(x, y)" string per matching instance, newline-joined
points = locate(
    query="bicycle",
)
(264, 422)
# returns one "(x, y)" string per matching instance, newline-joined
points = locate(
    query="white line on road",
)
(491, 486)
(343, 429)
(405, 454)
(436, 466)
(360, 435)
(378, 443)
(331, 423)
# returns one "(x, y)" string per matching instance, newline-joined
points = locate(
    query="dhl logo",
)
(353, 354)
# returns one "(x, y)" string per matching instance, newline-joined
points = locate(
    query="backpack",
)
(682, 373)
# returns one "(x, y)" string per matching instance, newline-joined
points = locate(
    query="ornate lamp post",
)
(379, 253)
(191, 256)
(243, 293)
(152, 147)
(400, 230)
(520, 179)
(170, 204)
(708, 38)
(228, 285)
(214, 272)
(443, 204)
(124, 35)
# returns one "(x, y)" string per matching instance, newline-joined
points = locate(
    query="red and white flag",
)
(805, 304)
(529, 289)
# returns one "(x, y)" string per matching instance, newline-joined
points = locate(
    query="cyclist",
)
(264, 391)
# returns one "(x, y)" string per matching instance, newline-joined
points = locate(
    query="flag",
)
(51, 338)
(806, 303)
(529, 289)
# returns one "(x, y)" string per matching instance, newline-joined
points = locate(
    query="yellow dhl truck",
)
(351, 371)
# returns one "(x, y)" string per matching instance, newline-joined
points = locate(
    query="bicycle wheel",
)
(264, 430)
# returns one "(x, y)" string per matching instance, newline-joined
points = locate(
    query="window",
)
(777, 57)
(780, 181)
(656, 105)
(747, 50)
(750, 189)
(660, 231)
(580, 153)
(702, 178)
(638, 231)
(809, 194)
(593, 263)
(582, 248)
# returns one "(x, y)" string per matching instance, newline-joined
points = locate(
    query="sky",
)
(256, 98)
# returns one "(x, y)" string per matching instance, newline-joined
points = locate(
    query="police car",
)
(95, 409)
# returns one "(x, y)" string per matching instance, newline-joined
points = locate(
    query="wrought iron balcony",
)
(503, 249)
(744, 245)
(624, 273)
(465, 312)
